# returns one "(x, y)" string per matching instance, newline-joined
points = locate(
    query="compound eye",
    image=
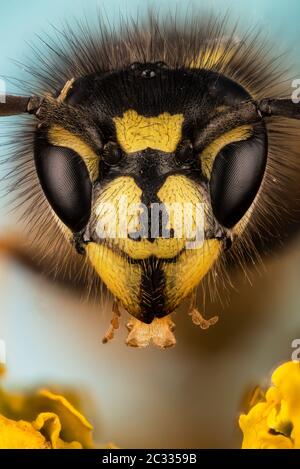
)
(65, 181)
(236, 176)
(112, 154)
(184, 153)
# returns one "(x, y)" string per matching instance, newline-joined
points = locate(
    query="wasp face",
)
(118, 161)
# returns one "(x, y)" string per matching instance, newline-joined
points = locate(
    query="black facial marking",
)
(184, 153)
(152, 302)
(154, 88)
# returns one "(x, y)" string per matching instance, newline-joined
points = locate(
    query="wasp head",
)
(119, 160)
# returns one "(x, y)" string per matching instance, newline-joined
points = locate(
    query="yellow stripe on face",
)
(136, 132)
(187, 195)
(61, 137)
(122, 278)
(184, 275)
(208, 155)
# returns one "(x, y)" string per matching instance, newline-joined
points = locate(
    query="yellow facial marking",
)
(193, 264)
(122, 279)
(184, 275)
(112, 206)
(178, 188)
(207, 157)
(136, 132)
(184, 196)
(61, 137)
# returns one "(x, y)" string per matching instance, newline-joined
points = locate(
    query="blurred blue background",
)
(22, 21)
(141, 398)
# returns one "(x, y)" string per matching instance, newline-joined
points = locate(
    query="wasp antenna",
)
(15, 105)
(248, 112)
(279, 107)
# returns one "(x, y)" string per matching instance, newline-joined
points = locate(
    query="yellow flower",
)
(275, 421)
(44, 420)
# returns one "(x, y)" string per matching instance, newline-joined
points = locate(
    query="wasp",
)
(159, 114)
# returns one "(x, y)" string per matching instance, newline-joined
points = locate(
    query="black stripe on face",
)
(152, 300)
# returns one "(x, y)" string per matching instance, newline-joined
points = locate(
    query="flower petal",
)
(74, 426)
(276, 422)
(20, 435)
(49, 424)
